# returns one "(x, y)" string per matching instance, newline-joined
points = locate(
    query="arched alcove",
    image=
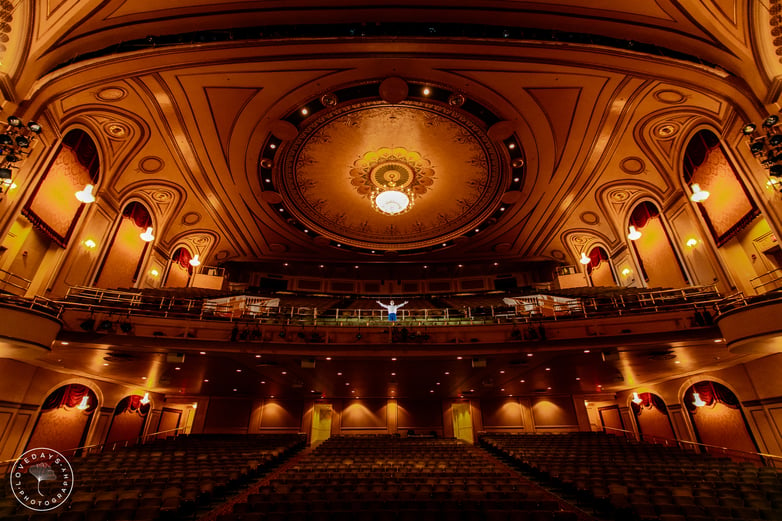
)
(179, 269)
(64, 420)
(651, 416)
(654, 251)
(129, 419)
(716, 415)
(600, 270)
(127, 250)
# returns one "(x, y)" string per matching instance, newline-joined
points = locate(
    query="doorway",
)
(321, 423)
(462, 421)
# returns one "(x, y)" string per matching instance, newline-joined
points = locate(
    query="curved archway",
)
(654, 251)
(730, 217)
(600, 269)
(127, 250)
(65, 418)
(651, 417)
(179, 269)
(129, 419)
(716, 415)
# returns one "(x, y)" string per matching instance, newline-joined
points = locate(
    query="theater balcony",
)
(29, 326)
(751, 325)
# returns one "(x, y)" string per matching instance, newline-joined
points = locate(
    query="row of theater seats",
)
(390, 478)
(164, 479)
(632, 480)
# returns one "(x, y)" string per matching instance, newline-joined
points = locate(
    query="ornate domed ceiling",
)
(443, 163)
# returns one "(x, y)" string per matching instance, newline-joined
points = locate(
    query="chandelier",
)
(15, 144)
(766, 146)
(392, 193)
(392, 201)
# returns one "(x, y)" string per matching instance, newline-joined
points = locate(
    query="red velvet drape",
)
(70, 396)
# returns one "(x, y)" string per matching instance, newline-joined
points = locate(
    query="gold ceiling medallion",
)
(392, 178)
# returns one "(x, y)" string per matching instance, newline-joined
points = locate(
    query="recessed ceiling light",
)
(496, 263)
(393, 374)
(143, 377)
(339, 374)
(393, 359)
(235, 390)
(285, 372)
(477, 230)
(272, 396)
(586, 350)
(512, 146)
(268, 180)
(304, 111)
(548, 369)
(206, 381)
(272, 146)
(458, 357)
(502, 371)
(427, 91)
(502, 208)
(176, 368)
(549, 388)
(577, 378)
(503, 389)
(529, 354)
(66, 343)
(238, 370)
(437, 383)
(282, 209)
(353, 391)
(203, 352)
(328, 358)
(515, 179)
(431, 390)
(257, 356)
(263, 381)
(522, 381)
(347, 383)
(447, 372)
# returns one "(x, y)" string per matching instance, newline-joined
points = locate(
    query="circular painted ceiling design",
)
(337, 163)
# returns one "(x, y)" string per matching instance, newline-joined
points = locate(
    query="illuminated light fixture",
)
(154, 272)
(427, 91)
(691, 242)
(626, 272)
(634, 234)
(85, 402)
(697, 402)
(86, 196)
(195, 261)
(89, 243)
(147, 235)
(195, 405)
(698, 195)
(145, 399)
(637, 399)
(304, 111)
(748, 129)
(393, 202)
(584, 259)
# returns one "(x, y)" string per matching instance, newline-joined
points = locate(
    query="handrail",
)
(642, 436)
(144, 438)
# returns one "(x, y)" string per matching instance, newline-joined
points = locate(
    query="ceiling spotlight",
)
(426, 91)
(304, 111)
(748, 129)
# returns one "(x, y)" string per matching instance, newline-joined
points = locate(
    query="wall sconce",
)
(147, 235)
(584, 259)
(637, 399)
(698, 195)
(86, 196)
(195, 405)
(85, 402)
(195, 261)
(145, 399)
(15, 144)
(626, 272)
(154, 272)
(767, 148)
(90, 244)
(692, 242)
(634, 234)
(697, 402)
